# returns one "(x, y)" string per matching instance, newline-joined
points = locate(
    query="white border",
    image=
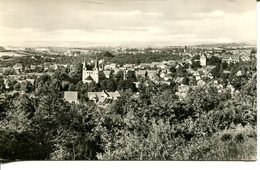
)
(133, 165)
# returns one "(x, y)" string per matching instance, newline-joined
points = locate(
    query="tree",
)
(17, 86)
(27, 86)
(107, 55)
(131, 76)
(119, 76)
(173, 70)
(76, 73)
(71, 87)
(11, 83)
(2, 85)
(217, 71)
(195, 62)
(214, 60)
(111, 85)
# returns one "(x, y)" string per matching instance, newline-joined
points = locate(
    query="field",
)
(9, 54)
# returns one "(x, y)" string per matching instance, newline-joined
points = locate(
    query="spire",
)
(103, 65)
(84, 64)
(96, 65)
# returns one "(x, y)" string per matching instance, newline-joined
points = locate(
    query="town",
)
(106, 81)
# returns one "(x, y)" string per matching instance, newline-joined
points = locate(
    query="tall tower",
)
(84, 65)
(84, 72)
(96, 65)
(203, 60)
(96, 72)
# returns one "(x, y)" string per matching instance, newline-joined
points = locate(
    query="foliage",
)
(152, 124)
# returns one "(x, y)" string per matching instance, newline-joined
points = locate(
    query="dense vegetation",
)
(156, 125)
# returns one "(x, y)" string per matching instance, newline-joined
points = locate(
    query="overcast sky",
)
(126, 22)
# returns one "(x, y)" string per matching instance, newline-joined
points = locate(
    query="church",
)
(91, 75)
(203, 60)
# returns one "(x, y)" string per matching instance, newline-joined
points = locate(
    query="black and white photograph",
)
(133, 80)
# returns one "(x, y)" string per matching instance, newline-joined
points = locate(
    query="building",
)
(129, 66)
(74, 53)
(141, 73)
(18, 67)
(151, 74)
(231, 58)
(155, 64)
(182, 91)
(94, 74)
(103, 97)
(71, 97)
(203, 60)
(108, 73)
(111, 66)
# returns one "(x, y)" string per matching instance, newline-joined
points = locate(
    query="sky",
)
(126, 22)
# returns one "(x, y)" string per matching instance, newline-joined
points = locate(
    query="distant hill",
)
(2, 49)
(224, 45)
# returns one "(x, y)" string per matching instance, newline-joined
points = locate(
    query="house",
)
(31, 80)
(18, 67)
(162, 66)
(182, 91)
(33, 67)
(137, 84)
(141, 73)
(107, 73)
(203, 72)
(179, 80)
(210, 67)
(71, 97)
(149, 83)
(103, 97)
(230, 88)
(74, 53)
(170, 62)
(226, 72)
(154, 64)
(151, 74)
(188, 60)
(162, 74)
(144, 66)
(111, 66)
(201, 83)
(210, 76)
(47, 66)
(190, 70)
(231, 58)
(219, 87)
(165, 82)
(196, 74)
(42, 50)
(129, 65)
(167, 77)
(245, 57)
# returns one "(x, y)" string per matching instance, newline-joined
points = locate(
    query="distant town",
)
(108, 76)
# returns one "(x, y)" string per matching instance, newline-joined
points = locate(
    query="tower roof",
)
(89, 78)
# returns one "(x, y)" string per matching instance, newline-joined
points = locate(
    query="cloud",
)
(134, 13)
(161, 23)
(212, 14)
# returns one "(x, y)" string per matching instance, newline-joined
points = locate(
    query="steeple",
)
(96, 65)
(84, 65)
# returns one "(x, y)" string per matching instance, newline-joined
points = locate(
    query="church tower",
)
(96, 72)
(203, 60)
(90, 75)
